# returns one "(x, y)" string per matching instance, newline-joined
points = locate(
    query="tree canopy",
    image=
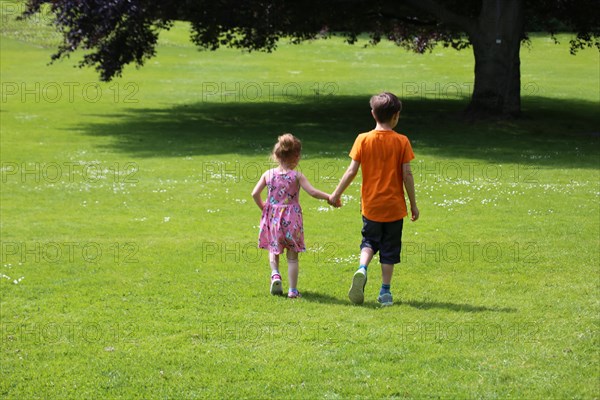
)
(116, 33)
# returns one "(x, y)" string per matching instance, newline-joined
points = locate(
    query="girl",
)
(281, 223)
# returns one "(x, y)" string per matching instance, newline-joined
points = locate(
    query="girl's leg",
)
(275, 277)
(292, 259)
(274, 262)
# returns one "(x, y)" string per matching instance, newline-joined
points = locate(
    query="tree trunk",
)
(496, 43)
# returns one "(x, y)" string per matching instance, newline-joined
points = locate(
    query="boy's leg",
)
(275, 276)
(387, 271)
(385, 297)
(366, 255)
(359, 279)
(371, 234)
(390, 254)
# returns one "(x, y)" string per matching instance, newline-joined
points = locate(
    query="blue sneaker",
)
(357, 290)
(385, 299)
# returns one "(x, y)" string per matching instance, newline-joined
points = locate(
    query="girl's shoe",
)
(276, 285)
(294, 295)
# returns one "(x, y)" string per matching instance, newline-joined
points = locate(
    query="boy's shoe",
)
(276, 285)
(357, 290)
(294, 295)
(385, 299)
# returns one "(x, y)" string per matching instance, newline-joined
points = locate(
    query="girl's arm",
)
(305, 184)
(346, 180)
(256, 193)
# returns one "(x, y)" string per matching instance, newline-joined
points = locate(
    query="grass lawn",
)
(128, 235)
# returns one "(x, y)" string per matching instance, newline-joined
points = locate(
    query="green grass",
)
(128, 217)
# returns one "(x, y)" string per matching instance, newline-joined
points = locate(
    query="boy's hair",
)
(287, 148)
(384, 106)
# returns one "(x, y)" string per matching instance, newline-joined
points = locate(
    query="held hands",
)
(334, 201)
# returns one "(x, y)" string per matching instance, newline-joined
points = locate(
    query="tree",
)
(119, 32)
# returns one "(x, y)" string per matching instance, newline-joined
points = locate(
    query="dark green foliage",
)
(118, 32)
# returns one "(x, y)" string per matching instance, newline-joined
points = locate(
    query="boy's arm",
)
(409, 185)
(256, 193)
(316, 193)
(348, 177)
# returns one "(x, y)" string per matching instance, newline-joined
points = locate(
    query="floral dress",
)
(281, 223)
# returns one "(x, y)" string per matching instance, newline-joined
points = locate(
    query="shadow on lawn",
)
(552, 132)
(324, 298)
(423, 305)
(426, 305)
(327, 299)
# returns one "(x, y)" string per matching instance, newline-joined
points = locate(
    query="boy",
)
(384, 157)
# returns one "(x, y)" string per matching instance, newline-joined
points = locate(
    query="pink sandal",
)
(276, 285)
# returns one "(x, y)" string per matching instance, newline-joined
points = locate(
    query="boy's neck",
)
(384, 127)
(388, 125)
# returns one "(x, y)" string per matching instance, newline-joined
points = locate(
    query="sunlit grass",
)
(129, 262)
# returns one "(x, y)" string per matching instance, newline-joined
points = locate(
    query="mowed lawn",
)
(129, 264)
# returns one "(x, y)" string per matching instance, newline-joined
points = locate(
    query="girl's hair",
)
(287, 148)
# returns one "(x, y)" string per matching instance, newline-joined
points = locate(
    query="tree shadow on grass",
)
(552, 132)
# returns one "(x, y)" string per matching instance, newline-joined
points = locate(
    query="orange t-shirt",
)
(381, 155)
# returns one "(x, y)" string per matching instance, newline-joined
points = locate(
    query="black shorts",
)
(383, 237)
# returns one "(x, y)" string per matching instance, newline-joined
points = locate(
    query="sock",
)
(362, 266)
(275, 272)
(293, 290)
(384, 289)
